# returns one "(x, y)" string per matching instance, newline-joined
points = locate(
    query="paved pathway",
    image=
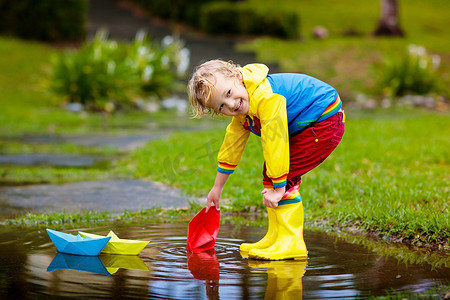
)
(112, 196)
(121, 142)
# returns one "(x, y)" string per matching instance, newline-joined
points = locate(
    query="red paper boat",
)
(203, 230)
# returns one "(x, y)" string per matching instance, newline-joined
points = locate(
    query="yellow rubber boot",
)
(289, 243)
(270, 236)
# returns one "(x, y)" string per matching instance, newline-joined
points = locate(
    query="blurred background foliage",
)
(46, 20)
(105, 74)
(414, 72)
(227, 17)
(333, 41)
(338, 44)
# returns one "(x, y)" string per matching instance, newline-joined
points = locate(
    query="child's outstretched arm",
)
(216, 191)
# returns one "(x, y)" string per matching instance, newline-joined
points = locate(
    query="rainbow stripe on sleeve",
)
(267, 184)
(226, 168)
(279, 182)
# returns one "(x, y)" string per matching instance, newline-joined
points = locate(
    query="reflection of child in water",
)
(284, 278)
(300, 122)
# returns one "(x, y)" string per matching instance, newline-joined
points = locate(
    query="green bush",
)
(186, 11)
(105, 74)
(278, 23)
(159, 8)
(244, 19)
(226, 17)
(414, 73)
(47, 20)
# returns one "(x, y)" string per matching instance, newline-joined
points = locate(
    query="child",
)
(300, 122)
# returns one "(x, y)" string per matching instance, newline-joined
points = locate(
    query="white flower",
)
(111, 67)
(417, 51)
(112, 45)
(147, 74)
(184, 57)
(435, 61)
(167, 40)
(165, 61)
(140, 35)
(421, 51)
(142, 50)
(412, 49)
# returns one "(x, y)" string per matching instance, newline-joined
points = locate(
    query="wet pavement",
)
(58, 160)
(112, 196)
(120, 142)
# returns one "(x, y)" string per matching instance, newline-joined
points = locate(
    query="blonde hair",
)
(202, 82)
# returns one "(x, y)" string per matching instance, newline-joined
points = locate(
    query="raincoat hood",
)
(254, 75)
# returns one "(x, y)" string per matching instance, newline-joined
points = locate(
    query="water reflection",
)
(91, 264)
(129, 262)
(105, 264)
(284, 278)
(164, 269)
(205, 266)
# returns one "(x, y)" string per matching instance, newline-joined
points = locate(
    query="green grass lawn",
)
(344, 60)
(389, 175)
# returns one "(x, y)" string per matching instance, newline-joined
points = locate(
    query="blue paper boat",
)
(71, 244)
(91, 264)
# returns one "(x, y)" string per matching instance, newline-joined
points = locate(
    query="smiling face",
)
(229, 96)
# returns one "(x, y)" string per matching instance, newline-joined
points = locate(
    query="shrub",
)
(105, 74)
(47, 20)
(226, 17)
(414, 73)
(186, 11)
(244, 19)
(158, 65)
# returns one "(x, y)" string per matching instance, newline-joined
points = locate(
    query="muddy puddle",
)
(31, 268)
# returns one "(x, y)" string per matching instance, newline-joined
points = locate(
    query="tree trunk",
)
(388, 23)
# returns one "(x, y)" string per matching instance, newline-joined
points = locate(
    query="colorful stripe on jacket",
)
(226, 168)
(331, 109)
(291, 196)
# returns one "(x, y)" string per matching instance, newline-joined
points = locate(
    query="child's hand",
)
(271, 197)
(213, 197)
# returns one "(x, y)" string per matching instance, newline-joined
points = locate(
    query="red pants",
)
(311, 147)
